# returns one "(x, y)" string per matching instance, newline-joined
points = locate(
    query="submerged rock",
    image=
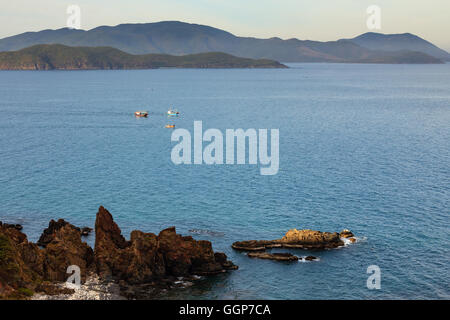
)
(273, 256)
(302, 239)
(311, 258)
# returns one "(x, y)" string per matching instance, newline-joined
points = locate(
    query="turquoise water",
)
(363, 147)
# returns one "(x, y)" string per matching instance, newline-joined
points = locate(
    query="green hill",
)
(60, 57)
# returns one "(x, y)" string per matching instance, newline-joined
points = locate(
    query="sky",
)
(321, 20)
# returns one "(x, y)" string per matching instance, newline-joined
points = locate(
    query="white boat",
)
(172, 112)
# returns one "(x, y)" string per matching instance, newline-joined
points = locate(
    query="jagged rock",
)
(147, 257)
(65, 249)
(21, 264)
(144, 260)
(109, 244)
(222, 259)
(184, 255)
(301, 239)
(49, 233)
(273, 256)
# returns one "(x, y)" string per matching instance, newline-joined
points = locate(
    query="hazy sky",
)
(304, 19)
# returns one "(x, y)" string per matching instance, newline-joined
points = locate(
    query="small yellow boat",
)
(170, 126)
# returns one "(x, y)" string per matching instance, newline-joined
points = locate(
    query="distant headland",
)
(61, 57)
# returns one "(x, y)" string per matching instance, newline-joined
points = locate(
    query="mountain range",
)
(179, 38)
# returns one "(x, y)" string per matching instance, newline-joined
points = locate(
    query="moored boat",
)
(170, 126)
(142, 114)
(172, 112)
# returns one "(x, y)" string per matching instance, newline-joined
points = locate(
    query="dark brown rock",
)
(109, 244)
(49, 233)
(145, 260)
(12, 226)
(310, 258)
(21, 264)
(273, 256)
(24, 266)
(147, 257)
(222, 259)
(66, 249)
(184, 255)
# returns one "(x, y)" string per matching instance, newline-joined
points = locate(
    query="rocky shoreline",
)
(140, 268)
(136, 267)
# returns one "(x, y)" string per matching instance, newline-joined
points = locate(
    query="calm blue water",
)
(363, 147)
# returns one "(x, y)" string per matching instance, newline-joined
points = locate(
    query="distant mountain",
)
(178, 38)
(60, 57)
(398, 42)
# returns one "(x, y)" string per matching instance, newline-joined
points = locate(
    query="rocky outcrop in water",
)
(145, 261)
(149, 257)
(346, 234)
(301, 239)
(294, 239)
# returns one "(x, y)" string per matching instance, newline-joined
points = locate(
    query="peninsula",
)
(61, 57)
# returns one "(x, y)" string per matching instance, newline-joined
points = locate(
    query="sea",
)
(363, 147)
